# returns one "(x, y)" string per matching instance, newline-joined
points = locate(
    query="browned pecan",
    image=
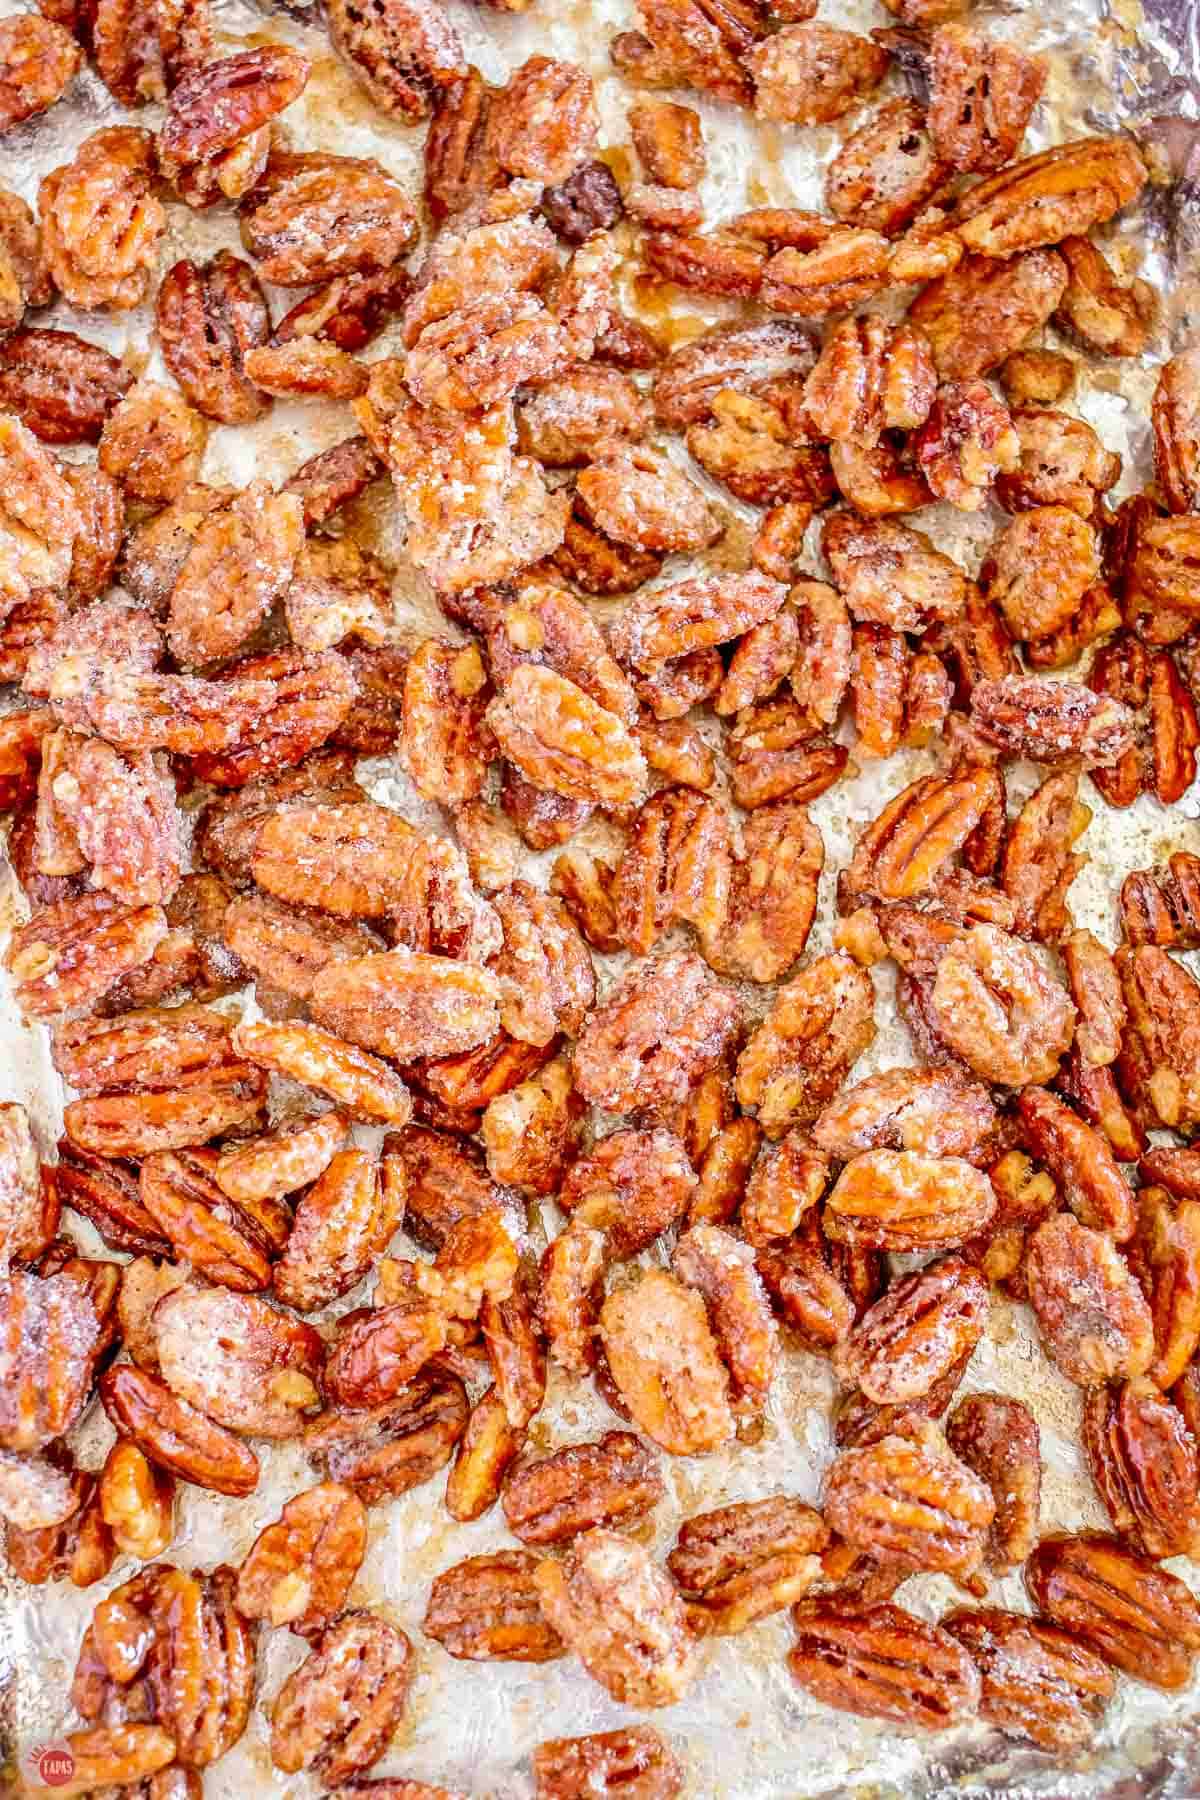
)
(71, 953)
(235, 1358)
(1052, 195)
(214, 141)
(967, 441)
(776, 753)
(753, 359)
(137, 1501)
(570, 1293)
(542, 124)
(38, 62)
(588, 201)
(299, 1570)
(691, 43)
(1163, 906)
(1081, 1162)
(744, 1561)
(998, 1438)
(487, 1608)
(488, 1446)
(30, 1202)
(849, 264)
(1146, 1467)
(208, 316)
(662, 1027)
(338, 1711)
(975, 315)
(243, 558)
(445, 1182)
(996, 1005)
(676, 865)
(1036, 1681)
(622, 1617)
(907, 1499)
(668, 140)
(174, 1434)
(126, 1754)
(1103, 316)
(313, 217)
(143, 1285)
(635, 1760)
(1094, 1320)
(403, 52)
(1157, 1063)
(810, 73)
(902, 1200)
(343, 1222)
(530, 1134)
(1137, 1617)
(1039, 864)
(152, 443)
(109, 180)
(609, 1482)
(1163, 1255)
(799, 1056)
(60, 385)
(1062, 464)
(925, 1323)
(633, 1185)
(981, 93)
(787, 1180)
(670, 1377)
(887, 170)
(932, 1110)
(385, 1450)
(884, 1664)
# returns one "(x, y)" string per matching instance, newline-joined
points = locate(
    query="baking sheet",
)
(744, 1730)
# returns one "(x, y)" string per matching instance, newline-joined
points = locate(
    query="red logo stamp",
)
(53, 1764)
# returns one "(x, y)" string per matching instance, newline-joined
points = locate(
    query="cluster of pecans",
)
(195, 655)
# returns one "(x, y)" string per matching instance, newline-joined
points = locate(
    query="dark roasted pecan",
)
(998, 1438)
(62, 386)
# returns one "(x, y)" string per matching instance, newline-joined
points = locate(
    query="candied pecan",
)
(884, 1664)
(668, 140)
(1036, 1681)
(1158, 1061)
(1159, 577)
(889, 574)
(933, 1110)
(110, 180)
(143, 1284)
(632, 1186)
(313, 217)
(486, 1449)
(30, 1202)
(622, 1616)
(1163, 1255)
(542, 124)
(51, 1338)
(981, 93)
(79, 1550)
(975, 315)
(338, 1711)
(596, 563)
(35, 1493)
(230, 1244)
(676, 865)
(72, 953)
(38, 62)
(1062, 464)
(365, 1086)
(998, 1007)
(375, 1351)
(545, 971)
(870, 377)
(1175, 730)
(60, 385)
(1138, 1618)
(1052, 195)
(908, 1500)
(670, 1376)
(722, 1271)
(691, 43)
(1094, 1091)
(152, 443)
(742, 1562)
(724, 1168)
(1043, 563)
(24, 280)
(925, 1324)
(39, 518)
(1079, 1159)
(1146, 1467)
(385, 1450)
(125, 1754)
(299, 1570)
(799, 1056)
(304, 367)
(403, 1003)
(530, 1133)
(460, 164)
(696, 614)
(848, 265)
(402, 51)
(240, 563)
(902, 1200)
(611, 1481)
(560, 738)
(786, 1181)
(214, 141)
(635, 1761)
(174, 1434)
(487, 1608)
(1094, 1321)
(342, 1223)
(1106, 318)
(207, 317)
(565, 421)
(814, 1290)
(779, 539)
(137, 1501)
(1035, 378)
(662, 1027)
(752, 359)
(997, 1437)
(965, 443)
(887, 170)
(775, 754)
(1163, 907)
(635, 496)
(233, 1357)
(810, 73)
(141, 49)
(445, 1183)
(569, 1296)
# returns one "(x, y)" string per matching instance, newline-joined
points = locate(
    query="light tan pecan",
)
(300, 1569)
(1093, 1318)
(799, 1056)
(384, 1450)
(235, 1358)
(344, 1221)
(137, 1501)
(884, 1664)
(773, 355)
(983, 309)
(1062, 464)
(1036, 1681)
(635, 1760)
(110, 180)
(622, 1617)
(562, 739)
(488, 1608)
(531, 1133)
(997, 1436)
(39, 519)
(361, 1083)
(240, 563)
(997, 1006)
(29, 1205)
(338, 1711)
(889, 574)
(1138, 1618)
(79, 1550)
(208, 317)
(1052, 195)
(174, 1434)
(664, 1360)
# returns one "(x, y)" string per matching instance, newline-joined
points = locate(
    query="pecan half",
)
(662, 1027)
(1146, 1467)
(342, 1223)
(1036, 1681)
(997, 1437)
(743, 1562)
(1165, 1255)
(299, 1570)
(50, 1337)
(313, 217)
(337, 1712)
(487, 1609)
(403, 52)
(1094, 1321)
(236, 1359)
(38, 62)
(137, 1501)
(884, 1664)
(101, 221)
(983, 309)
(612, 1481)
(1081, 1162)
(214, 141)
(810, 73)
(1137, 1617)
(923, 1325)
(907, 1499)
(636, 1761)
(175, 1435)
(60, 385)
(361, 1083)
(799, 1056)
(1106, 318)
(664, 1361)
(385, 1450)
(902, 1200)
